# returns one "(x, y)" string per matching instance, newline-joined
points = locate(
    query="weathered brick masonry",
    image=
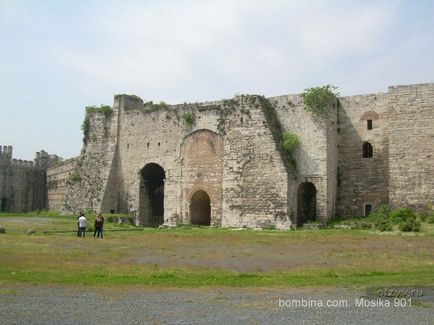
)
(218, 163)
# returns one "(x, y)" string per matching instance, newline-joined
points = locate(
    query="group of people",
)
(98, 227)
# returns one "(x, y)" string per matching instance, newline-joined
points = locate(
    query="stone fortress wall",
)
(411, 145)
(59, 179)
(23, 184)
(172, 164)
(362, 180)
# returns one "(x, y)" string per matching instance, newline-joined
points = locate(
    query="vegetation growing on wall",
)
(52, 184)
(85, 127)
(189, 119)
(106, 110)
(73, 178)
(317, 99)
(158, 106)
(228, 106)
(290, 142)
(278, 134)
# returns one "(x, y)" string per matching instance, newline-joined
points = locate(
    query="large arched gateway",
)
(200, 209)
(151, 205)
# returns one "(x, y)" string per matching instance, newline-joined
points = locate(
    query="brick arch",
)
(200, 208)
(197, 134)
(201, 161)
(200, 188)
(369, 115)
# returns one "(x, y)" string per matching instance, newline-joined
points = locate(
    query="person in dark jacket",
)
(99, 226)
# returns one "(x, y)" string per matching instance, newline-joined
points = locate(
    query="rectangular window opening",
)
(368, 209)
(369, 124)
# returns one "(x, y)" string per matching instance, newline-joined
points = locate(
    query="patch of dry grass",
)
(215, 257)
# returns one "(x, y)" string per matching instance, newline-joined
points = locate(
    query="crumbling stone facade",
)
(23, 184)
(220, 163)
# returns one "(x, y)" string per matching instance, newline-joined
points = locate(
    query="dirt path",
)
(66, 305)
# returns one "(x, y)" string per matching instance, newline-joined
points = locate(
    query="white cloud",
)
(180, 49)
(58, 57)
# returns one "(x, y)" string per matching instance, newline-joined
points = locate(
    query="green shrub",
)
(110, 219)
(158, 106)
(73, 178)
(106, 110)
(385, 219)
(318, 99)
(402, 215)
(409, 224)
(380, 212)
(384, 224)
(189, 119)
(290, 142)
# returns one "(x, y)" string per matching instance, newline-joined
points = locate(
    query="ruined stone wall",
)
(151, 135)
(23, 184)
(411, 147)
(362, 180)
(148, 136)
(316, 157)
(92, 169)
(255, 180)
(229, 149)
(58, 180)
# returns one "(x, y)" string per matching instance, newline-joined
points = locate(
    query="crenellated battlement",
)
(22, 163)
(23, 183)
(42, 158)
(6, 153)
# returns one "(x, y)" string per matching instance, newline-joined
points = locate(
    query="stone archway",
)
(201, 157)
(200, 209)
(151, 197)
(306, 203)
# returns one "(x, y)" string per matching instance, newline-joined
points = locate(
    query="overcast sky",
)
(58, 56)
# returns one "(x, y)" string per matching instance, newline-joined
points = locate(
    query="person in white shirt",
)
(82, 222)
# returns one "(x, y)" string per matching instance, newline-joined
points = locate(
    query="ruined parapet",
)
(22, 163)
(44, 160)
(88, 179)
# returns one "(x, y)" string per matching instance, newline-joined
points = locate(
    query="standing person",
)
(99, 225)
(78, 224)
(82, 222)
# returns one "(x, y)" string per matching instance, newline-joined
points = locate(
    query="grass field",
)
(195, 257)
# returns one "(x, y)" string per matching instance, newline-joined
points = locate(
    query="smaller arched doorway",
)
(306, 203)
(200, 209)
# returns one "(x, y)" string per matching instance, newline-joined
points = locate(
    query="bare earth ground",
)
(68, 305)
(35, 301)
